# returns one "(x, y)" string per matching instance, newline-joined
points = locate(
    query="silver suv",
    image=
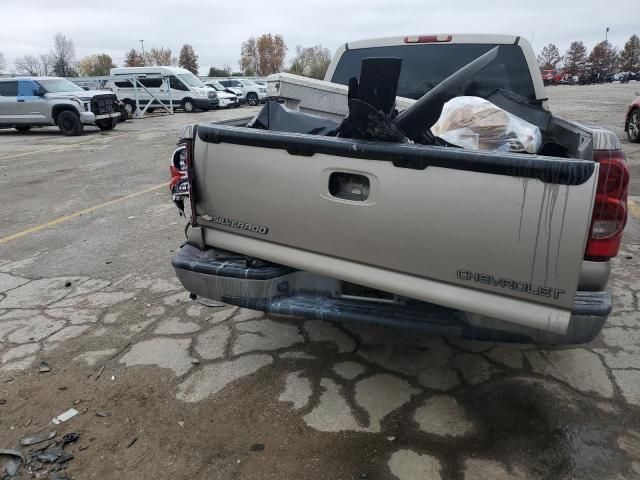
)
(27, 102)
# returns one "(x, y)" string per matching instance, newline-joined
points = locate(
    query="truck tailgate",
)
(437, 224)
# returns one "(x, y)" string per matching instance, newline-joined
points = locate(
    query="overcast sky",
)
(216, 29)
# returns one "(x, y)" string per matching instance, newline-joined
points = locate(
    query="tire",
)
(633, 126)
(107, 123)
(69, 123)
(188, 105)
(23, 128)
(252, 99)
(129, 106)
(151, 109)
(124, 114)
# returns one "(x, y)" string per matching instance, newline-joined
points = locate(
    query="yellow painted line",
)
(634, 208)
(66, 218)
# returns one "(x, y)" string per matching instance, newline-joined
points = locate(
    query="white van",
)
(184, 89)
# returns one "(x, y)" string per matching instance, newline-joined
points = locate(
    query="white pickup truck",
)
(492, 245)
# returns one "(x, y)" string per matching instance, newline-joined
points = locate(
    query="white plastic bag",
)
(477, 124)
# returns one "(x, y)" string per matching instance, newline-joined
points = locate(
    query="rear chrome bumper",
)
(237, 280)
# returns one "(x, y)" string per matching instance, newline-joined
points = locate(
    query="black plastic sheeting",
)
(275, 116)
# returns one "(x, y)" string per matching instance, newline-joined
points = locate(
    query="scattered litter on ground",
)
(83, 447)
(3, 401)
(131, 442)
(77, 402)
(42, 437)
(59, 476)
(62, 388)
(391, 439)
(8, 380)
(181, 423)
(100, 370)
(195, 361)
(209, 303)
(257, 447)
(71, 437)
(67, 284)
(27, 423)
(11, 460)
(63, 417)
(44, 367)
(50, 455)
(102, 413)
(113, 377)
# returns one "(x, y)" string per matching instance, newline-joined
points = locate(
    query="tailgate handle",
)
(349, 186)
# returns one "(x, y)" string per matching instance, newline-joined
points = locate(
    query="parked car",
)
(289, 219)
(252, 93)
(227, 97)
(167, 84)
(549, 77)
(27, 102)
(632, 120)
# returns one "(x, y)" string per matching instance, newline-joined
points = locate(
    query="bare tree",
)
(576, 58)
(188, 59)
(311, 61)
(160, 57)
(3, 63)
(133, 58)
(249, 57)
(630, 56)
(64, 55)
(550, 57)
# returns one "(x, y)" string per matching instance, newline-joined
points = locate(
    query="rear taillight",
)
(427, 38)
(179, 168)
(610, 207)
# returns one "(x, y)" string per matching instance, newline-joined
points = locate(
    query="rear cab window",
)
(9, 89)
(426, 65)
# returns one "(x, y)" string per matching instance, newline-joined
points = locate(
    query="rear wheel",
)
(633, 126)
(69, 123)
(252, 99)
(150, 110)
(107, 123)
(188, 105)
(23, 128)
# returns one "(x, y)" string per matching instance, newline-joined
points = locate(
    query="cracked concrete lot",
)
(213, 391)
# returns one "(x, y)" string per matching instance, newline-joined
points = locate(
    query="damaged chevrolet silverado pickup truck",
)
(378, 219)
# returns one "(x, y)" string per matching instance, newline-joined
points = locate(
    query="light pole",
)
(142, 44)
(606, 48)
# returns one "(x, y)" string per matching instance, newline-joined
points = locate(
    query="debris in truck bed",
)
(477, 124)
